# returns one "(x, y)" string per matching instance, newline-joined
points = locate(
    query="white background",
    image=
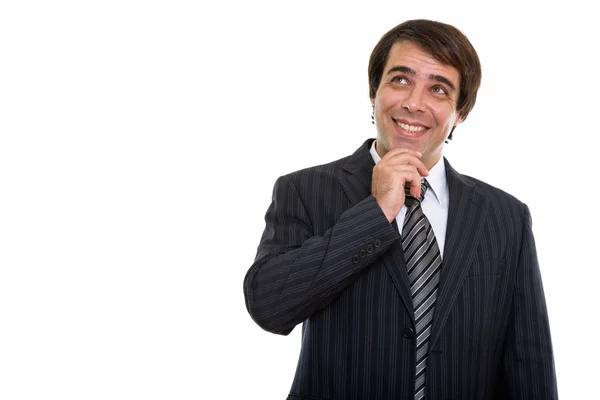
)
(139, 143)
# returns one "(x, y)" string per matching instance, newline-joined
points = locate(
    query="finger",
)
(402, 150)
(415, 189)
(399, 158)
(415, 185)
(398, 173)
(407, 175)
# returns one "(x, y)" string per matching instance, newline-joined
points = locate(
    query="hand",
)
(396, 168)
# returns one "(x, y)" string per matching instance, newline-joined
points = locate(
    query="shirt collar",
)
(436, 178)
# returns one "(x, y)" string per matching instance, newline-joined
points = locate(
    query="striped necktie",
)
(424, 263)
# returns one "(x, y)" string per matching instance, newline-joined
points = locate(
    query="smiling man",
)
(410, 280)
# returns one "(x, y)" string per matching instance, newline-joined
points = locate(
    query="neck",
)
(431, 163)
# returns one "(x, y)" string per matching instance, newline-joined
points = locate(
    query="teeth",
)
(409, 127)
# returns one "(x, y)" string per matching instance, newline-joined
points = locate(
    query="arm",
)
(295, 273)
(528, 360)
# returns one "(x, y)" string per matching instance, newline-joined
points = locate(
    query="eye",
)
(399, 79)
(439, 89)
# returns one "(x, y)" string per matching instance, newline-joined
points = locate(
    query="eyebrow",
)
(412, 72)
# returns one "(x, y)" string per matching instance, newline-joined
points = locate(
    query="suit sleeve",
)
(528, 358)
(296, 273)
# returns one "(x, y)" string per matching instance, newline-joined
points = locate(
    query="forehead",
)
(410, 54)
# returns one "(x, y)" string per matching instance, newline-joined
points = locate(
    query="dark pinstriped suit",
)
(330, 259)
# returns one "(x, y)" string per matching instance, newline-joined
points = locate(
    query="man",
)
(411, 280)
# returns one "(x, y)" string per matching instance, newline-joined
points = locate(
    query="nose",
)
(414, 101)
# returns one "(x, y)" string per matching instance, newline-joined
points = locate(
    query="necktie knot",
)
(410, 199)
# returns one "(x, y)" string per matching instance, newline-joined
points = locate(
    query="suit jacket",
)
(329, 259)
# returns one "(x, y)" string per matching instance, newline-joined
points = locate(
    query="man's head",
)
(423, 74)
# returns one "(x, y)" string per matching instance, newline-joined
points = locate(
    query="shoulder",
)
(360, 160)
(502, 206)
(496, 196)
(330, 170)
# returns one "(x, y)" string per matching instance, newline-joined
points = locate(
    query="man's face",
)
(415, 103)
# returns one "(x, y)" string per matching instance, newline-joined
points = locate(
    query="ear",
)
(459, 119)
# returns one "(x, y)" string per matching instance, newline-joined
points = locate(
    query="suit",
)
(329, 259)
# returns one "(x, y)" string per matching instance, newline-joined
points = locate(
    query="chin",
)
(405, 144)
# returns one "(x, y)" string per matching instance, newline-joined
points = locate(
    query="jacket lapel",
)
(396, 266)
(356, 182)
(358, 170)
(465, 221)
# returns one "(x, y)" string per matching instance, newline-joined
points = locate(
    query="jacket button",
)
(377, 243)
(369, 249)
(355, 259)
(408, 333)
(362, 254)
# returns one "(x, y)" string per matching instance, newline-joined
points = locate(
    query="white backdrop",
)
(139, 143)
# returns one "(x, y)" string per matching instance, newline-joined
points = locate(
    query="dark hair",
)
(443, 42)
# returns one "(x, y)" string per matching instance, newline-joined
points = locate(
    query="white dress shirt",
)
(435, 203)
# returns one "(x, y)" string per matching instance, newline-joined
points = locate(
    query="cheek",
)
(379, 105)
(444, 115)
(387, 99)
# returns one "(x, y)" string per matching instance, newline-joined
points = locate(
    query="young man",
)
(411, 280)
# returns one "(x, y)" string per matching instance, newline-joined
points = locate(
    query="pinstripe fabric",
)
(329, 260)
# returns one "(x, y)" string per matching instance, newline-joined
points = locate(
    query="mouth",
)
(411, 129)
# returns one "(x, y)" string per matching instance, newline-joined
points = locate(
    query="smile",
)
(410, 128)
